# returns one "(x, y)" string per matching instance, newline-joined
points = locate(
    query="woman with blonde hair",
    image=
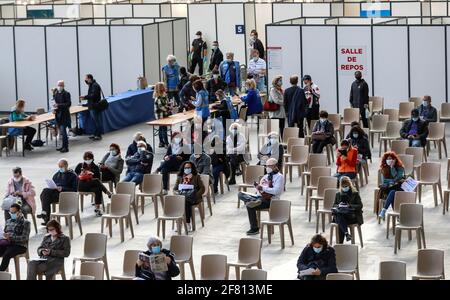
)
(252, 99)
(18, 114)
(163, 110)
(276, 96)
(347, 208)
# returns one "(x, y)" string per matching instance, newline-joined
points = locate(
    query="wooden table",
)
(39, 120)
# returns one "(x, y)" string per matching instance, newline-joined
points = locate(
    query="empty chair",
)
(419, 158)
(416, 100)
(408, 163)
(151, 187)
(399, 146)
(173, 211)
(339, 276)
(377, 104)
(252, 174)
(347, 259)
(129, 265)
(444, 113)
(291, 143)
(120, 210)
(324, 182)
(129, 188)
(206, 195)
(404, 110)
(253, 274)
(5, 276)
(379, 125)
(328, 200)
(392, 133)
(411, 218)
(392, 270)
(279, 214)
(68, 208)
(436, 134)
(392, 113)
(316, 172)
(430, 264)
(314, 160)
(392, 216)
(289, 132)
(299, 158)
(214, 267)
(350, 115)
(181, 246)
(94, 250)
(92, 268)
(249, 255)
(430, 174)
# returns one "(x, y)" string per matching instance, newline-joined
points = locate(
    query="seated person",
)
(111, 165)
(272, 149)
(347, 157)
(347, 208)
(89, 180)
(252, 99)
(323, 133)
(18, 114)
(317, 255)
(139, 164)
(415, 130)
(186, 93)
(54, 248)
(235, 149)
(188, 175)
(202, 161)
(213, 85)
(66, 181)
(269, 188)
(218, 161)
(14, 238)
(223, 112)
(427, 112)
(132, 148)
(359, 140)
(143, 269)
(21, 187)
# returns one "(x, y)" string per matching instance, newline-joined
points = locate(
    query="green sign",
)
(40, 13)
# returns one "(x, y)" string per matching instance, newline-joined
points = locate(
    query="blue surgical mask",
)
(345, 189)
(187, 171)
(156, 249)
(425, 103)
(61, 170)
(355, 135)
(415, 119)
(317, 250)
(113, 152)
(13, 215)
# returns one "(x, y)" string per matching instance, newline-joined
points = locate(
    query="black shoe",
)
(232, 181)
(64, 150)
(59, 149)
(97, 138)
(161, 145)
(348, 237)
(253, 231)
(28, 147)
(92, 137)
(41, 216)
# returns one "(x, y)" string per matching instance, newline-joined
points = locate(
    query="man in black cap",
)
(312, 95)
(198, 51)
(359, 96)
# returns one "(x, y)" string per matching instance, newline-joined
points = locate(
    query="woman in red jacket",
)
(347, 158)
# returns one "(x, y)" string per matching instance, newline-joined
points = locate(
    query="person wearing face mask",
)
(187, 92)
(229, 72)
(216, 57)
(21, 188)
(199, 52)
(225, 110)
(252, 99)
(359, 140)
(18, 114)
(322, 133)
(213, 85)
(14, 238)
(62, 114)
(392, 177)
(111, 165)
(163, 109)
(202, 161)
(415, 130)
(427, 112)
(276, 96)
(235, 150)
(143, 269)
(93, 97)
(272, 149)
(346, 160)
(189, 184)
(347, 208)
(89, 180)
(139, 164)
(133, 148)
(171, 78)
(184, 78)
(295, 105)
(256, 43)
(66, 181)
(219, 161)
(201, 103)
(359, 96)
(312, 95)
(256, 68)
(269, 188)
(318, 256)
(53, 249)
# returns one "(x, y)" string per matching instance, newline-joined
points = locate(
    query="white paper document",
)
(51, 184)
(185, 187)
(409, 185)
(306, 272)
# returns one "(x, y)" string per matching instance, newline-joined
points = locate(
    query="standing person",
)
(230, 73)
(216, 57)
(235, 149)
(218, 161)
(256, 43)
(257, 70)
(18, 114)
(139, 164)
(322, 133)
(276, 96)
(184, 78)
(21, 187)
(62, 114)
(93, 98)
(415, 130)
(198, 52)
(317, 255)
(359, 97)
(187, 93)
(163, 110)
(171, 78)
(427, 112)
(295, 104)
(312, 95)
(201, 103)
(252, 99)
(214, 84)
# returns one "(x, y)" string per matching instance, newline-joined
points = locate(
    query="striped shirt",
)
(255, 67)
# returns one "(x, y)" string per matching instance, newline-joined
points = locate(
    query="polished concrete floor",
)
(228, 224)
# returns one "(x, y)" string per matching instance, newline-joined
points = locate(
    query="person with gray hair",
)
(143, 268)
(427, 112)
(272, 149)
(229, 72)
(133, 148)
(171, 78)
(61, 109)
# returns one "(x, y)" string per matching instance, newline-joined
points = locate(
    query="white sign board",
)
(274, 57)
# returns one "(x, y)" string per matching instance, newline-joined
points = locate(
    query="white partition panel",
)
(166, 10)
(62, 61)
(94, 56)
(353, 39)
(249, 11)
(390, 64)
(263, 17)
(180, 45)
(86, 11)
(145, 10)
(285, 11)
(7, 70)
(165, 41)
(319, 62)
(226, 29)
(202, 17)
(30, 64)
(126, 57)
(427, 57)
(99, 11)
(316, 9)
(407, 9)
(179, 10)
(119, 11)
(151, 52)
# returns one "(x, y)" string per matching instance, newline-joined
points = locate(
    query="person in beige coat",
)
(276, 96)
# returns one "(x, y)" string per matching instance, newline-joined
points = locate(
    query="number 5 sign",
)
(240, 29)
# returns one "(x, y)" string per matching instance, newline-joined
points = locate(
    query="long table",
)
(38, 121)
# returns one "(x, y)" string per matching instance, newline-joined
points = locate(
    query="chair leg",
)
(77, 217)
(122, 238)
(323, 222)
(163, 229)
(70, 227)
(269, 234)
(182, 275)
(193, 218)
(158, 223)
(439, 186)
(352, 232)
(435, 194)
(110, 227)
(331, 234)
(105, 262)
(191, 266)
(282, 235)
(135, 208)
(388, 220)
(360, 236)
(317, 222)
(155, 206)
(289, 226)
(238, 275)
(82, 203)
(131, 225)
(17, 267)
(261, 232)
(419, 243)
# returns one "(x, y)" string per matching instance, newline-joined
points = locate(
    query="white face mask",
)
(322, 120)
(215, 47)
(177, 140)
(273, 140)
(141, 149)
(17, 179)
(216, 76)
(255, 59)
(198, 36)
(113, 152)
(269, 170)
(88, 161)
(389, 161)
(60, 89)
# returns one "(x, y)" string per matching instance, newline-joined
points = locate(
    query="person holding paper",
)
(316, 260)
(143, 268)
(23, 190)
(18, 114)
(392, 176)
(53, 249)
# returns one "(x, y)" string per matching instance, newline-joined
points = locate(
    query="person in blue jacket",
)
(252, 99)
(230, 73)
(201, 102)
(171, 77)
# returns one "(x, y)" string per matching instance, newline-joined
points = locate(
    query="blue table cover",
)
(125, 109)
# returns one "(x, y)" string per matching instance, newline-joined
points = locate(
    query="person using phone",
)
(18, 114)
(322, 133)
(21, 187)
(320, 257)
(415, 130)
(347, 158)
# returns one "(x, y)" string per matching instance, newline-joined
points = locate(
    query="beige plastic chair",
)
(207, 194)
(279, 214)
(379, 126)
(335, 119)
(92, 268)
(299, 158)
(399, 146)
(289, 132)
(392, 113)
(419, 158)
(334, 231)
(252, 173)
(291, 143)
(82, 277)
(408, 163)
(129, 188)
(173, 211)
(416, 100)
(68, 208)
(430, 264)
(393, 215)
(339, 276)
(444, 113)
(404, 110)
(392, 270)
(82, 194)
(329, 195)
(314, 160)
(350, 115)
(347, 260)
(392, 133)
(213, 267)
(436, 134)
(411, 218)
(324, 182)
(181, 246)
(249, 255)
(151, 187)
(253, 274)
(94, 250)
(129, 265)
(316, 172)
(377, 104)
(430, 174)
(16, 259)
(120, 210)
(5, 276)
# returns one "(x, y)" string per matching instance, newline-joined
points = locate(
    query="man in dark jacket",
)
(256, 43)
(213, 85)
(139, 164)
(316, 260)
(216, 57)
(93, 98)
(415, 130)
(62, 113)
(427, 112)
(295, 105)
(359, 96)
(323, 133)
(186, 94)
(198, 51)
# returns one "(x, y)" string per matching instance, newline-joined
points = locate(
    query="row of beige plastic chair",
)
(68, 208)
(436, 134)
(324, 182)
(347, 259)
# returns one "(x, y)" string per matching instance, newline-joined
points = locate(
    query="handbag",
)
(189, 196)
(4, 242)
(85, 176)
(270, 106)
(103, 104)
(10, 200)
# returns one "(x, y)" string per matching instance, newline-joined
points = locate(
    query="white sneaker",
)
(165, 192)
(189, 227)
